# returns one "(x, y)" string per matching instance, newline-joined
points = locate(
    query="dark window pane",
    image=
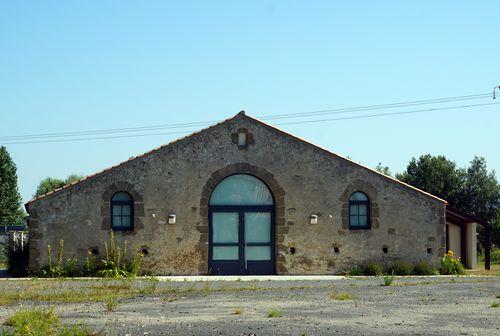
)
(126, 210)
(126, 221)
(117, 221)
(362, 220)
(354, 221)
(121, 196)
(358, 196)
(117, 210)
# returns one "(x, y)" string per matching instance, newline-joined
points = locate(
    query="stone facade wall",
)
(304, 180)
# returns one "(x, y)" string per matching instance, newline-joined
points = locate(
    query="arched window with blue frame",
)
(359, 211)
(122, 212)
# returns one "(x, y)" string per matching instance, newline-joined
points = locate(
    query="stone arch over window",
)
(279, 202)
(370, 192)
(137, 207)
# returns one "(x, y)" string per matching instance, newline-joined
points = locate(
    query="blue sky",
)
(71, 66)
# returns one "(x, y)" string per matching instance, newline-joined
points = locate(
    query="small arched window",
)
(359, 211)
(122, 212)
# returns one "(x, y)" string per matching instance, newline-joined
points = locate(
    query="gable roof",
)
(241, 115)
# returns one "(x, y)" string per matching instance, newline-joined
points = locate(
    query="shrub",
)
(17, 258)
(424, 268)
(451, 265)
(495, 256)
(401, 268)
(133, 265)
(115, 263)
(354, 271)
(72, 268)
(373, 268)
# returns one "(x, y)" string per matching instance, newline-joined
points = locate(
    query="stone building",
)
(243, 197)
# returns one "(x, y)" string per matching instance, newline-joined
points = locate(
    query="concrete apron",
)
(213, 278)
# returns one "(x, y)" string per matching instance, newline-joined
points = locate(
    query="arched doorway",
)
(241, 221)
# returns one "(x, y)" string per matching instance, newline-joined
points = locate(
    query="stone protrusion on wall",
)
(279, 203)
(139, 211)
(441, 234)
(249, 138)
(35, 236)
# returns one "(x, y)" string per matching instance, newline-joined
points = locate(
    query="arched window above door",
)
(241, 189)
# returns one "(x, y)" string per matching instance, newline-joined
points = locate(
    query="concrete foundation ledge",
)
(232, 278)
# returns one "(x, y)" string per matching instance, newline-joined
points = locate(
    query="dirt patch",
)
(353, 306)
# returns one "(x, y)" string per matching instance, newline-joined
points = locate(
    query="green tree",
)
(49, 184)
(383, 169)
(436, 175)
(473, 189)
(10, 200)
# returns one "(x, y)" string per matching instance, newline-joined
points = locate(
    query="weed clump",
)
(42, 322)
(388, 280)
(451, 265)
(114, 264)
(340, 296)
(274, 313)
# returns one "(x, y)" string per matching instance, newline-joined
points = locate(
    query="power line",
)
(278, 124)
(377, 107)
(386, 114)
(269, 117)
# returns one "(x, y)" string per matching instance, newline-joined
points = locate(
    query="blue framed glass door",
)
(241, 240)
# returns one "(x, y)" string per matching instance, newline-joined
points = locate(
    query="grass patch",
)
(170, 299)
(77, 291)
(427, 299)
(274, 313)
(341, 296)
(495, 304)
(110, 303)
(494, 271)
(42, 322)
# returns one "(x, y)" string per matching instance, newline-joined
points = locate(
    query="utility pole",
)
(495, 90)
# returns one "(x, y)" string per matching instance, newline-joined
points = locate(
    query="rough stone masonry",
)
(178, 178)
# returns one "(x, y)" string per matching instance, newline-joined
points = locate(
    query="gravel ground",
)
(411, 306)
